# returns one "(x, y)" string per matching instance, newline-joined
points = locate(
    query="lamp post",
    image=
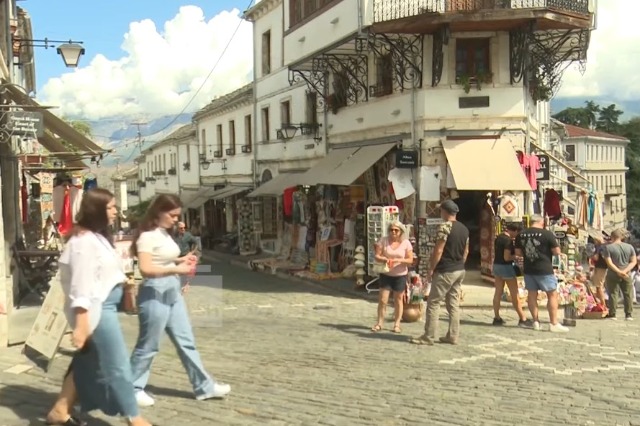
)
(71, 53)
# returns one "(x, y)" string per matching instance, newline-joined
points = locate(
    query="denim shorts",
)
(504, 271)
(540, 282)
(397, 284)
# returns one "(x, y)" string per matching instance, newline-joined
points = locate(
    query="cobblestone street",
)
(297, 354)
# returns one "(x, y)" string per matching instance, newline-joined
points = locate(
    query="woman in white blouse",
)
(91, 275)
(161, 306)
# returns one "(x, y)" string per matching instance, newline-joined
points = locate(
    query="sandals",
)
(376, 328)
(397, 329)
(71, 421)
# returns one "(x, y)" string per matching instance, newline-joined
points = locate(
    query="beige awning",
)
(200, 198)
(356, 164)
(54, 146)
(485, 165)
(276, 186)
(53, 123)
(230, 191)
(326, 165)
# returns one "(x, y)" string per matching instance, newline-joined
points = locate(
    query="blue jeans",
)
(544, 283)
(161, 308)
(102, 380)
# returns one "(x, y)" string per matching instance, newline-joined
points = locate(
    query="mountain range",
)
(631, 108)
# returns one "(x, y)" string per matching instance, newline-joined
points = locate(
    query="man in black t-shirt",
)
(537, 246)
(447, 272)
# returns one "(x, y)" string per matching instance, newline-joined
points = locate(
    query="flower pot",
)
(412, 312)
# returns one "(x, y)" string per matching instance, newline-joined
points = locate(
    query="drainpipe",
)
(360, 17)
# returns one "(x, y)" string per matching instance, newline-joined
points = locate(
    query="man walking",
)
(621, 260)
(447, 269)
(538, 246)
(185, 240)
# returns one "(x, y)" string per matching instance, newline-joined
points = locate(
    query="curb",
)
(321, 284)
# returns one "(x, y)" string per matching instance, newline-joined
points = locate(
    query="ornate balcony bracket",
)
(407, 54)
(551, 53)
(315, 80)
(519, 45)
(440, 39)
(354, 67)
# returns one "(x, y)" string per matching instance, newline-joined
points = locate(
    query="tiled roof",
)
(579, 132)
(243, 93)
(181, 133)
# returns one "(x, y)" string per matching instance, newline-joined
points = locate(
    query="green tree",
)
(575, 116)
(592, 110)
(609, 119)
(81, 127)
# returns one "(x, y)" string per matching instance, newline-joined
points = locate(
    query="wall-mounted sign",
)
(543, 173)
(25, 123)
(406, 159)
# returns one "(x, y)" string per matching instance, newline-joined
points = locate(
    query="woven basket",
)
(594, 315)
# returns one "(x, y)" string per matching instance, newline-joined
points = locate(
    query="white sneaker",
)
(536, 325)
(143, 399)
(220, 390)
(558, 328)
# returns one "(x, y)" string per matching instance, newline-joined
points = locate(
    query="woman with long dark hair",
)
(161, 306)
(91, 274)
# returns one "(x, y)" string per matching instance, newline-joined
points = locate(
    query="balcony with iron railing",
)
(426, 16)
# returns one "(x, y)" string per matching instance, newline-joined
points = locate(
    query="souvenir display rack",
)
(378, 220)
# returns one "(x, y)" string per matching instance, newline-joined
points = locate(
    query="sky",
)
(151, 57)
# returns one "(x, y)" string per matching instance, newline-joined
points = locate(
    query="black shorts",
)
(397, 284)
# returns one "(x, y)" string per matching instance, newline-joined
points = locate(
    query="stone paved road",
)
(298, 355)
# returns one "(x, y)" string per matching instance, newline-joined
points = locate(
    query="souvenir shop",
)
(318, 231)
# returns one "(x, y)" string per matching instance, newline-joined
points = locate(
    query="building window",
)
(300, 10)
(203, 141)
(340, 90)
(571, 188)
(570, 151)
(384, 76)
(311, 108)
(285, 112)
(232, 136)
(266, 129)
(266, 53)
(248, 131)
(188, 153)
(219, 138)
(164, 162)
(473, 61)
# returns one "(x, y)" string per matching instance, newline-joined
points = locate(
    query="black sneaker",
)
(611, 316)
(498, 321)
(525, 324)
(628, 317)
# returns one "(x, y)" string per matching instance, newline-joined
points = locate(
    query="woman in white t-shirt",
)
(161, 306)
(91, 276)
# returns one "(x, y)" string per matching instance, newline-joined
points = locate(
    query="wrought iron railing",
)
(389, 10)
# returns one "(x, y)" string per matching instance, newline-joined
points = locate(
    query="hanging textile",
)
(532, 172)
(508, 206)
(552, 204)
(591, 208)
(580, 217)
(58, 195)
(90, 183)
(523, 159)
(65, 223)
(24, 198)
(287, 201)
(595, 216)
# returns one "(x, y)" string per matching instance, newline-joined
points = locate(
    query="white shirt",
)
(89, 269)
(163, 249)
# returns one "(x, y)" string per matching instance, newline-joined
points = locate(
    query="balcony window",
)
(570, 152)
(311, 108)
(219, 137)
(340, 94)
(232, 135)
(203, 141)
(384, 76)
(248, 136)
(301, 10)
(473, 59)
(285, 112)
(266, 128)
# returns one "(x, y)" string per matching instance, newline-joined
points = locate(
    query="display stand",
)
(378, 220)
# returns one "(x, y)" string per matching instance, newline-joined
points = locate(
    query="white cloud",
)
(161, 70)
(613, 58)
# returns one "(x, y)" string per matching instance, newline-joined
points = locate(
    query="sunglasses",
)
(394, 230)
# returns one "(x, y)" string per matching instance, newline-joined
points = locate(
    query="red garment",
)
(552, 204)
(287, 201)
(532, 175)
(66, 221)
(524, 161)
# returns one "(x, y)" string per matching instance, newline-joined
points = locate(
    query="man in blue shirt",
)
(185, 240)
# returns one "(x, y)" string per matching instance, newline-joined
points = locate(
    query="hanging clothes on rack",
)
(580, 217)
(66, 219)
(595, 211)
(532, 172)
(552, 204)
(59, 198)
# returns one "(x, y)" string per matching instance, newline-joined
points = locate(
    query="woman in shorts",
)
(504, 272)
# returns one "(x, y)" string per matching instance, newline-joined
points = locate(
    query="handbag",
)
(380, 267)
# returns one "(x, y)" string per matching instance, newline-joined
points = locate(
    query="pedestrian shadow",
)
(173, 393)
(365, 332)
(472, 322)
(32, 405)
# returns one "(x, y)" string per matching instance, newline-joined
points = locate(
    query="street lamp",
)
(70, 53)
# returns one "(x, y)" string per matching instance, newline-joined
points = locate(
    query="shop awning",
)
(276, 186)
(326, 166)
(485, 165)
(349, 170)
(53, 123)
(230, 191)
(53, 145)
(193, 201)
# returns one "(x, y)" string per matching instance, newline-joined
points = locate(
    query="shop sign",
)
(25, 123)
(406, 159)
(543, 173)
